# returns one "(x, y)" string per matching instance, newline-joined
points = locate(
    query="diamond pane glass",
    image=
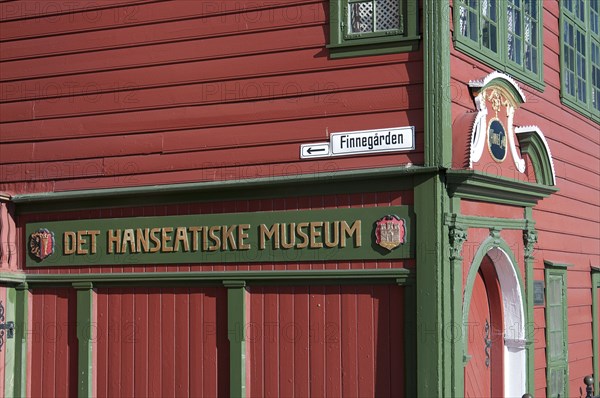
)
(387, 15)
(360, 17)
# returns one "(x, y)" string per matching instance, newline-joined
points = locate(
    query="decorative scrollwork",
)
(495, 234)
(488, 343)
(530, 237)
(1, 322)
(458, 236)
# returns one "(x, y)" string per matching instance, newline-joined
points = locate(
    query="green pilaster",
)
(436, 59)
(21, 333)
(596, 326)
(85, 323)
(433, 295)
(9, 344)
(236, 332)
(529, 240)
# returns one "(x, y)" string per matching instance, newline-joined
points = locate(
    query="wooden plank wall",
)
(567, 222)
(53, 339)
(151, 92)
(162, 342)
(326, 341)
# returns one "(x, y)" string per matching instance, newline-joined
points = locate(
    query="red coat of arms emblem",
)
(390, 232)
(41, 243)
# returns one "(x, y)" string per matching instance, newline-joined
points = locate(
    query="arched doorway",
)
(494, 275)
(484, 371)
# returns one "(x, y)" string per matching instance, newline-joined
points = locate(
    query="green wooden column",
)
(596, 326)
(529, 240)
(236, 333)
(9, 344)
(433, 292)
(21, 333)
(86, 316)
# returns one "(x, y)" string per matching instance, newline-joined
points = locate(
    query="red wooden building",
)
(299, 198)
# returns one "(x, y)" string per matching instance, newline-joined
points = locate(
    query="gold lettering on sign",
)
(268, 233)
(242, 235)
(166, 238)
(349, 232)
(181, 237)
(128, 239)
(304, 240)
(314, 234)
(154, 238)
(194, 231)
(143, 239)
(69, 243)
(113, 238)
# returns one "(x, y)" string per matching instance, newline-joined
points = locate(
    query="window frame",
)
(500, 60)
(372, 43)
(567, 99)
(554, 270)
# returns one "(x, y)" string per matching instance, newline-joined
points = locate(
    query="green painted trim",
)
(436, 85)
(489, 243)
(499, 60)
(476, 185)
(194, 277)
(596, 327)
(323, 183)
(85, 324)
(9, 347)
(372, 43)
(532, 144)
(12, 277)
(21, 340)
(486, 222)
(562, 272)
(433, 299)
(236, 333)
(553, 264)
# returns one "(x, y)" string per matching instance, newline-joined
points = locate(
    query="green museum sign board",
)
(376, 233)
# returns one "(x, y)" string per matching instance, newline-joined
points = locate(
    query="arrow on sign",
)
(316, 150)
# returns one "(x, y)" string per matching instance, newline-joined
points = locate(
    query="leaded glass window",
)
(365, 27)
(503, 33)
(580, 44)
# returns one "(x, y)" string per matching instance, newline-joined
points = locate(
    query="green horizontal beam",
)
(11, 277)
(476, 185)
(397, 275)
(487, 222)
(287, 185)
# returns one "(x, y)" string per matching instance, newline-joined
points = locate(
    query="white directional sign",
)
(372, 141)
(318, 150)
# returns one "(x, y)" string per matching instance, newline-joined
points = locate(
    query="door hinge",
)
(8, 326)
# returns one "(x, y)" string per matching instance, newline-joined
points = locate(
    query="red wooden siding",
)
(379, 199)
(329, 341)
(97, 98)
(53, 339)
(162, 342)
